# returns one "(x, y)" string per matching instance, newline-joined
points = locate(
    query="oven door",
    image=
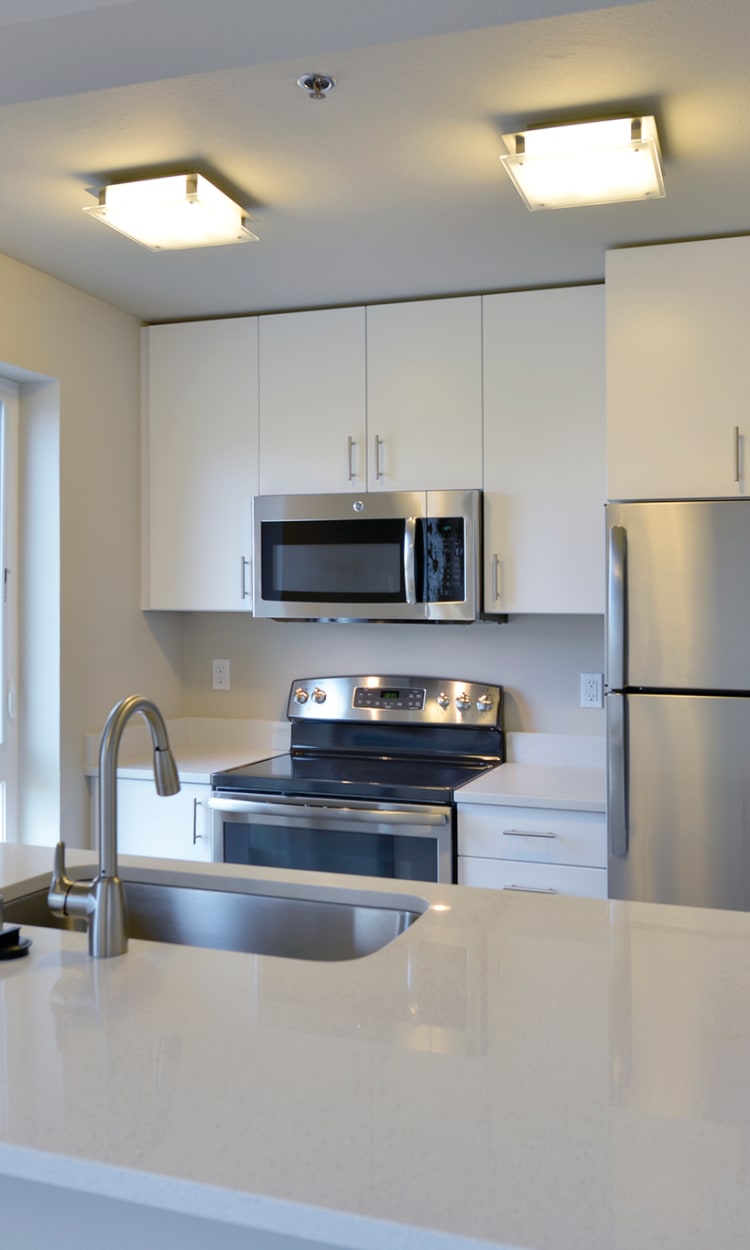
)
(408, 841)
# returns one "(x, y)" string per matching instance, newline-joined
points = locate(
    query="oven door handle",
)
(307, 811)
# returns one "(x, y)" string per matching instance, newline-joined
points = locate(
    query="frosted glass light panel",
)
(601, 162)
(183, 210)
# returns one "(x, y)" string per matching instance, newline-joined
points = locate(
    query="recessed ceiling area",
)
(392, 186)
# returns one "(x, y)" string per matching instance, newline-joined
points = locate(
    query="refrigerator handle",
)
(617, 774)
(616, 606)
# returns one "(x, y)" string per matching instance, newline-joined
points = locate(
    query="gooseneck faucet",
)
(102, 901)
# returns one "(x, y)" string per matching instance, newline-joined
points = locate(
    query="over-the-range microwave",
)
(385, 556)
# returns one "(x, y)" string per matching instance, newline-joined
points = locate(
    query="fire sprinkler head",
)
(317, 86)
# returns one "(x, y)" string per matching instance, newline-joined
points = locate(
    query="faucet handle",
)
(59, 886)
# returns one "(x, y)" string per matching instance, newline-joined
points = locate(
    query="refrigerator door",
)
(678, 612)
(679, 799)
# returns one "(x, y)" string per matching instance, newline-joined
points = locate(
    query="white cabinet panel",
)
(312, 402)
(544, 451)
(200, 463)
(678, 320)
(503, 874)
(535, 834)
(424, 395)
(174, 827)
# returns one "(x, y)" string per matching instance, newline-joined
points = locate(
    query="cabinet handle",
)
(497, 578)
(526, 833)
(244, 566)
(531, 889)
(197, 837)
(736, 452)
(378, 461)
(350, 445)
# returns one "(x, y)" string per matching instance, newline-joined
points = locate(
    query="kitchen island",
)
(513, 1070)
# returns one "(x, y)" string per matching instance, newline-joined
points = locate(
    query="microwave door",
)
(364, 569)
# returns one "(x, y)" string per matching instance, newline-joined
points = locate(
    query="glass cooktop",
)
(410, 780)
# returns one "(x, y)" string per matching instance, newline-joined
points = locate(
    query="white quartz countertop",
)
(200, 745)
(539, 785)
(514, 1070)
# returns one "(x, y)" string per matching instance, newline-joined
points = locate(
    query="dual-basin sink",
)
(243, 914)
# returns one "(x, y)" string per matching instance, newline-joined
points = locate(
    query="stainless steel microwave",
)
(386, 556)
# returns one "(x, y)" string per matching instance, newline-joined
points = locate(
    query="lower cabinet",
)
(173, 827)
(542, 850)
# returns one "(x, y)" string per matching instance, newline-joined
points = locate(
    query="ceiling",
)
(389, 188)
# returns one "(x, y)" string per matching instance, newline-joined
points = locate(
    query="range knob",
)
(319, 695)
(300, 695)
(484, 703)
(443, 700)
(463, 702)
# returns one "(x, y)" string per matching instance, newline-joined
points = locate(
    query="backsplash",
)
(537, 659)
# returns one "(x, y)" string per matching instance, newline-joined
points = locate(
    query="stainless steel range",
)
(368, 785)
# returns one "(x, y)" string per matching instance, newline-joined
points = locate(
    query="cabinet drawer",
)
(538, 834)
(506, 874)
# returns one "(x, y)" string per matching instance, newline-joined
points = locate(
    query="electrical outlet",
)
(591, 689)
(221, 674)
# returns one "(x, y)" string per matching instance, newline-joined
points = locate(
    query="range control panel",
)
(415, 700)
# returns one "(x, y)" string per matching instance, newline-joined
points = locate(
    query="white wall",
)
(107, 647)
(538, 659)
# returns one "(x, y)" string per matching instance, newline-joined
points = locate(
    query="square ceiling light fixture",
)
(599, 162)
(182, 210)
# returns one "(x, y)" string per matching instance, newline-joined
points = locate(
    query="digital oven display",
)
(406, 700)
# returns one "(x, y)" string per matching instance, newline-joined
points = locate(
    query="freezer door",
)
(678, 811)
(678, 605)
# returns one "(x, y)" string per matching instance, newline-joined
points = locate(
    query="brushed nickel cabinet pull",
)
(531, 889)
(526, 833)
(378, 458)
(197, 837)
(497, 578)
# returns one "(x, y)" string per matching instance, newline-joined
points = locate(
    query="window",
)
(8, 608)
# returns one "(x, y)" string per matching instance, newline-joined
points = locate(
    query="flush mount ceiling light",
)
(600, 162)
(179, 211)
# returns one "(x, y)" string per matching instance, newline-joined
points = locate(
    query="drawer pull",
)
(531, 889)
(526, 833)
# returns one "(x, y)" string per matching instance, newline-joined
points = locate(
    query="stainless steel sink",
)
(325, 925)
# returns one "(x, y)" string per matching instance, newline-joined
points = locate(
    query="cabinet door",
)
(424, 395)
(173, 827)
(678, 318)
(544, 451)
(200, 470)
(312, 402)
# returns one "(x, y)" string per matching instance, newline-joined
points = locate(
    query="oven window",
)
(331, 850)
(357, 561)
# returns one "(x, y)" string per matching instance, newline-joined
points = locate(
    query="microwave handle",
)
(410, 579)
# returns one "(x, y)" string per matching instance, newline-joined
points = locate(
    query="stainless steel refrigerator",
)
(678, 701)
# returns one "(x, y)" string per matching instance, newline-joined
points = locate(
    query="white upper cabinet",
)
(678, 402)
(312, 402)
(200, 463)
(424, 395)
(544, 451)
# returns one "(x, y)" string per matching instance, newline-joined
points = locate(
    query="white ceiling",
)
(389, 188)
